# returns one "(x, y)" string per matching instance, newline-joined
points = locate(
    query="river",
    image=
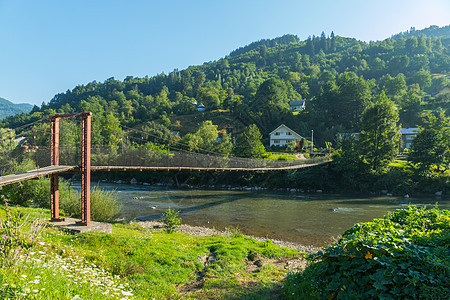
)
(306, 218)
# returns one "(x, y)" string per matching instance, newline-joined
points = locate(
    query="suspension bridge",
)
(56, 159)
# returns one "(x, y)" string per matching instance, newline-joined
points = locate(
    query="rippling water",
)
(310, 219)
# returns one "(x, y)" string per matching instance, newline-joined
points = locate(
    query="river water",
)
(310, 219)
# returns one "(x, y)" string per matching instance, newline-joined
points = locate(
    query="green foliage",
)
(14, 242)
(380, 134)
(7, 146)
(30, 192)
(171, 220)
(248, 143)
(431, 146)
(205, 139)
(349, 164)
(104, 204)
(404, 255)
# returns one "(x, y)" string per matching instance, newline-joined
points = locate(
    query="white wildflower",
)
(126, 293)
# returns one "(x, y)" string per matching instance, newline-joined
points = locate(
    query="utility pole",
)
(312, 140)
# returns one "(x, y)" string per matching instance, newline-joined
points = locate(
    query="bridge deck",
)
(138, 168)
(13, 178)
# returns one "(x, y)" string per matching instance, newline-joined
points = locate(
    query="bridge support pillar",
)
(85, 167)
(86, 170)
(54, 161)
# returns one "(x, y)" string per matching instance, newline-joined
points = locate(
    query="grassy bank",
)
(137, 263)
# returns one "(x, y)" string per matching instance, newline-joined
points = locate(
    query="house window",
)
(277, 133)
(288, 133)
(276, 142)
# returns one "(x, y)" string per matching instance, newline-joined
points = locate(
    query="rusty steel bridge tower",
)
(85, 169)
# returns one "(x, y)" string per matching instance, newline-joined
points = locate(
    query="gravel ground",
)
(204, 231)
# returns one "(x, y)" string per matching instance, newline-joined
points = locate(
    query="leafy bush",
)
(171, 220)
(403, 255)
(104, 205)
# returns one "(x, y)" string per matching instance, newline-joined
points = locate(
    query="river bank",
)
(205, 231)
(227, 187)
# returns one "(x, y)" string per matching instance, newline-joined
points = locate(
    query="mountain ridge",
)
(8, 108)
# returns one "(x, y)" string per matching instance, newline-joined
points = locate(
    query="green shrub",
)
(171, 220)
(104, 205)
(402, 256)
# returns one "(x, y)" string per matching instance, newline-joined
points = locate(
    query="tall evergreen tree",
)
(248, 143)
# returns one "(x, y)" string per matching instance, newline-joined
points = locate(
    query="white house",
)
(283, 135)
(297, 105)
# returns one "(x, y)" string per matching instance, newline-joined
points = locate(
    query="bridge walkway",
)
(14, 178)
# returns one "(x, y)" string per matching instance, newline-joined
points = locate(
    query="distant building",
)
(283, 135)
(408, 135)
(442, 92)
(20, 140)
(201, 107)
(297, 105)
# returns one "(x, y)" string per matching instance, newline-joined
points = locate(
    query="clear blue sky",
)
(50, 46)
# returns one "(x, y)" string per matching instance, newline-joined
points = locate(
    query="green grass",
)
(398, 163)
(143, 263)
(281, 156)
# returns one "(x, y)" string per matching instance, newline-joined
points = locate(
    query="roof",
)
(440, 90)
(296, 102)
(412, 130)
(282, 125)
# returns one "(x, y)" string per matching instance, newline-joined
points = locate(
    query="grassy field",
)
(138, 263)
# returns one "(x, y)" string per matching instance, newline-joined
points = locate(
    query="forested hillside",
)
(7, 108)
(339, 77)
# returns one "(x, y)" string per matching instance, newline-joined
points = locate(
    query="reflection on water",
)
(310, 219)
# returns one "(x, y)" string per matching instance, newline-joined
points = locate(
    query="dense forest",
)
(339, 77)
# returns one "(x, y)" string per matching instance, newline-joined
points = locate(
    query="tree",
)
(348, 162)
(380, 134)
(393, 86)
(333, 42)
(111, 131)
(248, 143)
(343, 102)
(206, 139)
(431, 146)
(423, 78)
(7, 145)
(270, 103)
